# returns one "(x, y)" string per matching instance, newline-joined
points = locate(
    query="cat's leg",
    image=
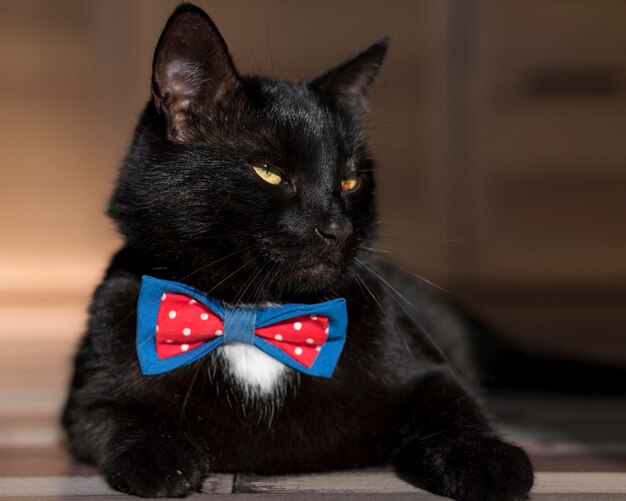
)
(137, 452)
(448, 445)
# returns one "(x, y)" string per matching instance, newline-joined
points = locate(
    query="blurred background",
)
(498, 126)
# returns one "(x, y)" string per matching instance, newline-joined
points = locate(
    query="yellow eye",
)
(269, 173)
(350, 182)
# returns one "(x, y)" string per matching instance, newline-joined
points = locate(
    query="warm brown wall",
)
(504, 186)
(75, 74)
(546, 156)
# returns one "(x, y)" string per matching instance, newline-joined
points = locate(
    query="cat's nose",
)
(335, 231)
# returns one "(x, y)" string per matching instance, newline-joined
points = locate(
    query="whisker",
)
(229, 276)
(422, 329)
(384, 310)
(256, 62)
(269, 48)
(432, 242)
(385, 282)
(193, 380)
(204, 267)
(373, 249)
(262, 288)
(248, 284)
(423, 279)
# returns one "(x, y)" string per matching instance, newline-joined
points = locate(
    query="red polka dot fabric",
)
(300, 337)
(184, 324)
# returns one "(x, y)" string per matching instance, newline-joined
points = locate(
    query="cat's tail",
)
(504, 365)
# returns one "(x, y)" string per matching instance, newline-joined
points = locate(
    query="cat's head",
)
(244, 184)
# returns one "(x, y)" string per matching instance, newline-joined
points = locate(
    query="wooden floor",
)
(578, 445)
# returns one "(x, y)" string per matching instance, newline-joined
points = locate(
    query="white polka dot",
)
(169, 341)
(204, 316)
(172, 314)
(326, 330)
(186, 331)
(298, 351)
(157, 328)
(297, 326)
(313, 317)
(309, 341)
(219, 332)
(163, 297)
(318, 348)
(184, 347)
(278, 337)
(192, 301)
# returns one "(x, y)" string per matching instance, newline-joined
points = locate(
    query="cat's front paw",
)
(164, 466)
(485, 469)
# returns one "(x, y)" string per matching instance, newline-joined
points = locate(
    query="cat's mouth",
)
(307, 270)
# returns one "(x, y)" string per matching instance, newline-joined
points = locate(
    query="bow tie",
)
(177, 325)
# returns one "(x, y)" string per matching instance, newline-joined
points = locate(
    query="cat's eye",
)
(268, 172)
(350, 181)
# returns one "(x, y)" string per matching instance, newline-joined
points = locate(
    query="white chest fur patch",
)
(253, 370)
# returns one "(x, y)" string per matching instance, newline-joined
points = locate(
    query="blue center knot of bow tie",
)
(239, 325)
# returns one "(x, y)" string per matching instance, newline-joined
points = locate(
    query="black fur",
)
(192, 210)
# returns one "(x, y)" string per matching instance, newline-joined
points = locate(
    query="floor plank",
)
(594, 485)
(388, 482)
(87, 486)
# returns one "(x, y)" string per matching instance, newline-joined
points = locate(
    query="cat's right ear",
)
(192, 70)
(349, 83)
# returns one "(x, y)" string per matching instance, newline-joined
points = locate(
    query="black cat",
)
(259, 192)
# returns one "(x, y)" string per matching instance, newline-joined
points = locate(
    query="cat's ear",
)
(349, 83)
(191, 71)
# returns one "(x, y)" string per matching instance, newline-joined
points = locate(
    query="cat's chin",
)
(318, 271)
(317, 276)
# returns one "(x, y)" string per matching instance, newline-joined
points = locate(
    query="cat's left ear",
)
(191, 71)
(349, 83)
